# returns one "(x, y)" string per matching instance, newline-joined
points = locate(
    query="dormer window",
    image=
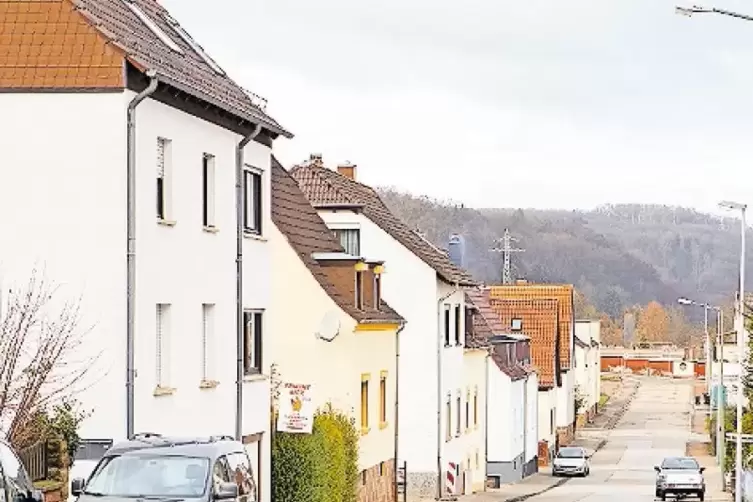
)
(517, 324)
(360, 268)
(377, 290)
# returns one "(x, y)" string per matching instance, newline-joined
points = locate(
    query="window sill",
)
(210, 229)
(208, 384)
(365, 430)
(163, 391)
(447, 345)
(254, 377)
(256, 237)
(383, 425)
(166, 223)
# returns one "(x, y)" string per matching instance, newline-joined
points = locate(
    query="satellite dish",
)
(329, 328)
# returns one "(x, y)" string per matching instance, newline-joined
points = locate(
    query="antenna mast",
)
(506, 251)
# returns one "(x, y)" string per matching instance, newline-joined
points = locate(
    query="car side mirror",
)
(77, 486)
(226, 491)
(657, 468)
(701, 470)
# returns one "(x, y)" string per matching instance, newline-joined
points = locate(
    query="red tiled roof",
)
(307, 234)
(77, 43)
(539, 323)
(326, 188)
(563, 294)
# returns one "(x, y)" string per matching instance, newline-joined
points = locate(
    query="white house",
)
(340, 339)
(587, 368)
(512, 386)
(427, 289)
(132, 101)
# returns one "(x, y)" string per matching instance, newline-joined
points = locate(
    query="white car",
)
(571, 461)
(680, 476)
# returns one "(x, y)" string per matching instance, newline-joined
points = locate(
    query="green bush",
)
(317, 467)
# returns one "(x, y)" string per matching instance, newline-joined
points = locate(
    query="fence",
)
(34, 459)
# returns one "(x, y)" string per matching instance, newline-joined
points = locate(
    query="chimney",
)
(456, 250)
(348, 170)
(315, 159)
(521, 282)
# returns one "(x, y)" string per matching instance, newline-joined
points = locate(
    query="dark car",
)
(167, 469)
(15, 483)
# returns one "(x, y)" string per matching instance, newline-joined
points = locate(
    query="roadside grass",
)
(603, 400)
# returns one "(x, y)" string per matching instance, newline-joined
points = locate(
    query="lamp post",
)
(720, 429)
(696, 9)
(736, 206)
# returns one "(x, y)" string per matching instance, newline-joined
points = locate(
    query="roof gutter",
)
(239, 161)
(397, 394)
(131, 245)
(439, 389)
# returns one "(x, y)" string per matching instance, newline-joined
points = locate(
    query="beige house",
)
(331, 329)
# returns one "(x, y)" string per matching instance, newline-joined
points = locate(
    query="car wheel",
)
(701, 495)
(663, 496)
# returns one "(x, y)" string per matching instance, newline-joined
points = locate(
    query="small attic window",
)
(517, 324)
(153, 26)
(188, 39)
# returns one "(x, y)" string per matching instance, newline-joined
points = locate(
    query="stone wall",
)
(565, 435)
(376, 483)
(422, 484)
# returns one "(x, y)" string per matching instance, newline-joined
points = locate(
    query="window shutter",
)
(161, 157)
(160, 320)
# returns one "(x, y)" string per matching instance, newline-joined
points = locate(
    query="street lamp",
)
(695, 9)
(721, 389)
(736, 206)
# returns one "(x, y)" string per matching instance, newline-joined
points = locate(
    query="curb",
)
(610, 425)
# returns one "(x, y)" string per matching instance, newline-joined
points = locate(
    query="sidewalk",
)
(592, 437)
(698, 447)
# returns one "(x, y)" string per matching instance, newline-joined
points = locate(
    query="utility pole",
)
(506, 251)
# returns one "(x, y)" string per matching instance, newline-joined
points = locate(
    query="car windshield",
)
(570, 453)
(680, 463)
(149, 476)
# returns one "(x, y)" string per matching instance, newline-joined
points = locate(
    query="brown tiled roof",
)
(539, 323)
(326, 188)
(307, 234)
(58, 48)
(564, 296)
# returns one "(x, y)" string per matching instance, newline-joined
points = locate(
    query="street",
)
(655, 425)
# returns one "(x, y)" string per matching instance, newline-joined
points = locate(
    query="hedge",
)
(317, 467)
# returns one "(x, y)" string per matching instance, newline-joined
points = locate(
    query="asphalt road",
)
(656, 425)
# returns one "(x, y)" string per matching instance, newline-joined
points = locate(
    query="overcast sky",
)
(532, 103)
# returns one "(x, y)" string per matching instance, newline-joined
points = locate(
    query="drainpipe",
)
(239, 279)
(440, 323)
(397, 393)
(131, 245)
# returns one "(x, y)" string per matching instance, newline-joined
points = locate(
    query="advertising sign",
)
(296, 413)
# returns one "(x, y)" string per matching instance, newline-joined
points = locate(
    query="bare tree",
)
(40, 358)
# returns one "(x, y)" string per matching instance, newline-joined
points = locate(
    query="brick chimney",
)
(348, 170)
(316, 160)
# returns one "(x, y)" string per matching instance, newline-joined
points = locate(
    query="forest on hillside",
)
(619, 257)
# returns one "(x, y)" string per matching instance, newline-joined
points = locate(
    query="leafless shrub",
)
(40, 358)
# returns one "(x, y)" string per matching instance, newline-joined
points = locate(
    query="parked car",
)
(680, 476)
(571, 461)
(15, 482)
(156, 467)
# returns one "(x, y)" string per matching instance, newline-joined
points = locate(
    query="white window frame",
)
(162, 346)
(258, 353)
(250, 207)
(164, 172)
(208, 185)
(349, 229)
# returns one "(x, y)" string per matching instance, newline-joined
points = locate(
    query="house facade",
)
(537, 319)
(428, 291)
(342, 339)
(79, 138)
(512, 386)
(564, 348)
(587, 360)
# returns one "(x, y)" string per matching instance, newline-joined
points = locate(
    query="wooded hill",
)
(618, 255)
